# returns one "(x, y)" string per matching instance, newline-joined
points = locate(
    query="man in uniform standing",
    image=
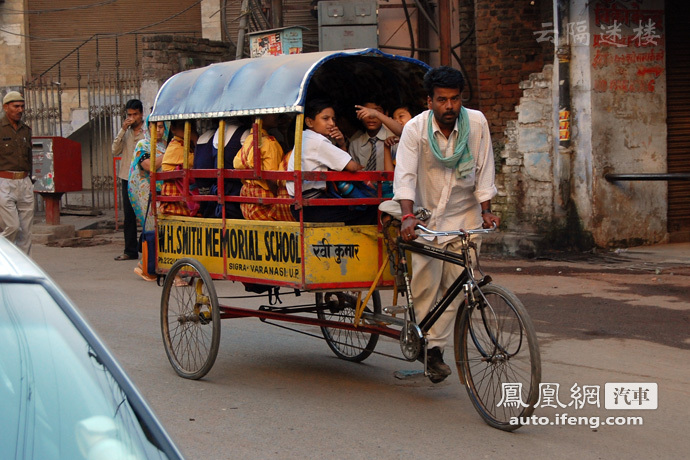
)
(16, 186)
(132, 131)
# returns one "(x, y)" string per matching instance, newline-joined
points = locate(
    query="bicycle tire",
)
(190, 319)
(496, 344)
(349, 345)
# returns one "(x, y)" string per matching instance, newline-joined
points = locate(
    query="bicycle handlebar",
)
(430, 232)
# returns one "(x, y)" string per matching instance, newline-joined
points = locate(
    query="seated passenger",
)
(172, 161)
(402, 115)
(271, 159)
(366, 147)
(206, 157)
(319, 154)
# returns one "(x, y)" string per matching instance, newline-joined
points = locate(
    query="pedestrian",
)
(445, 163)
(130, 134)
(16, 185)
(140, 180)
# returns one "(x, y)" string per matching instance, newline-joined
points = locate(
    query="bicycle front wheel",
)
(497, 354)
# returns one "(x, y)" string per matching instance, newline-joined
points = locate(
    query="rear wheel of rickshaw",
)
(190, 319)
(340, 306)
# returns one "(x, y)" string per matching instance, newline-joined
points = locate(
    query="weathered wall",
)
(166, 55)
(526, 180)
(618, 125)
(628, 94)
(13, 48)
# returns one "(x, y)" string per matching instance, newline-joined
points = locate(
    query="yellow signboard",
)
(271, 251)
(341, 255)
(252, 249)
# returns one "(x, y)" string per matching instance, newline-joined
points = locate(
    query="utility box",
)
(274, 42)
(56, 165)
(348, 25)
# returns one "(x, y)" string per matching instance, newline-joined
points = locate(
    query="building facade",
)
(575, 91)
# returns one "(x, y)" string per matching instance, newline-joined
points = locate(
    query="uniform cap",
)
(12, 96)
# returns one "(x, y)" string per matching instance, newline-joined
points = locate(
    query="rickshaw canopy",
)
(278, 84)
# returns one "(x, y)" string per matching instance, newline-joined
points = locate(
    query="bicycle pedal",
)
(394, 309)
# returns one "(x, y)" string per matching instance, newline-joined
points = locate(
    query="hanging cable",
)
(409, 27)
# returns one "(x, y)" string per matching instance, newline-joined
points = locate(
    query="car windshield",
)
(57, 399)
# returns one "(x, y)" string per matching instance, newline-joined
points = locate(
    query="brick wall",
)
(166, 55)
(468, 53)
(525, 179)
(507, 53)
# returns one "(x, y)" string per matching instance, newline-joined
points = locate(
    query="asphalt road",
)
(274, 393)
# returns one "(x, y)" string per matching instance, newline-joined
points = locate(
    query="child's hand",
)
(391, 141)
(364, 112)
(337, 136)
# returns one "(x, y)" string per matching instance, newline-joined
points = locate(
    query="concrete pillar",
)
(14, 50)
(212, 19)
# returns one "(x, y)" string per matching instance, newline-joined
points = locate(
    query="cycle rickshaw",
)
(344, 267)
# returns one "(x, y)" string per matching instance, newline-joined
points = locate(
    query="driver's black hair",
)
(443, 77)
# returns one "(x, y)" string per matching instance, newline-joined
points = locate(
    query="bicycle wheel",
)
(497, 354)
(190, 319)
(349, 345)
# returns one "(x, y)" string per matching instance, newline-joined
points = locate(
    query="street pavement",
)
(611, 317)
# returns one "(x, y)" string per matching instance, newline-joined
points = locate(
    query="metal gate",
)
(107, 95)
(43, 106)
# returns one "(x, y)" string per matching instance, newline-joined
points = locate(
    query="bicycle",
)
(495, 342)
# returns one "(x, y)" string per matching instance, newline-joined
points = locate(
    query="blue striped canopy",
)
(275, 84)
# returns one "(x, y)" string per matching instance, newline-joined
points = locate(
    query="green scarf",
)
(461, 160)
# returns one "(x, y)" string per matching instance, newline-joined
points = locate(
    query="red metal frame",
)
(227, 312)
(115, 181)
(297, 176)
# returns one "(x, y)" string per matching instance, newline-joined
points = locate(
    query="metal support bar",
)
(648, 177)
(237, 312)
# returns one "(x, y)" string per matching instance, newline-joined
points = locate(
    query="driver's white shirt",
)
(420, 177)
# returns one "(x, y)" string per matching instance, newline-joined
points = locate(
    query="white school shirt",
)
(318, 154)
(420, 177)
(360, 147)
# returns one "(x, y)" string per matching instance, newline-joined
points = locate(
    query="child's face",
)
(372, 124)
(402, 115)
(323, 123)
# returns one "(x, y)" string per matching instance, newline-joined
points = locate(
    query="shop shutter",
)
(57, 34)
(678, 121)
